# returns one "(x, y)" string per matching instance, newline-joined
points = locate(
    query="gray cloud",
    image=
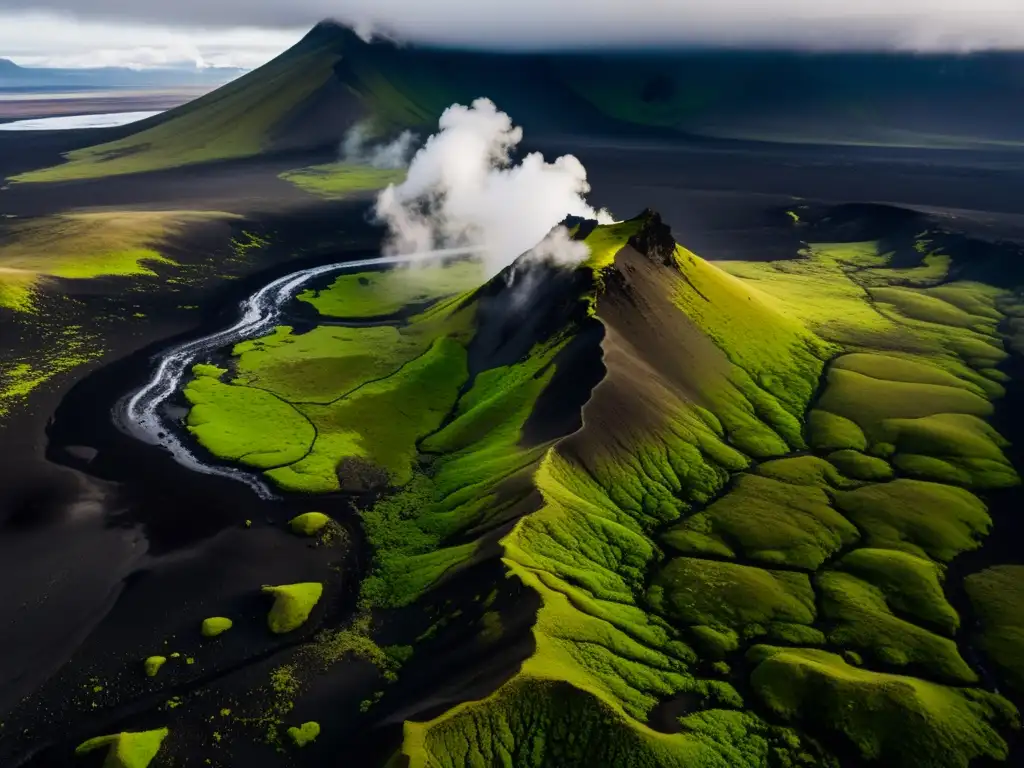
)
(816, 24)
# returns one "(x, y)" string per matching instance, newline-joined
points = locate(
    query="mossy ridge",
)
(925, 519)
(912, 585)
(473, 480)
(997, 596)
(552, 546)
(860, 619)
(720, 595)
(896, 719)
(360, 295)
(767, 520)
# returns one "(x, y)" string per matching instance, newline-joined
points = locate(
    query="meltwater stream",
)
(139, 414)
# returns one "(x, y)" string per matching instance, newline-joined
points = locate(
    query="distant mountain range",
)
(309, 96)
(17, 78)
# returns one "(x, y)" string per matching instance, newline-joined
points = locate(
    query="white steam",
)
(358, 148)
(463, 190)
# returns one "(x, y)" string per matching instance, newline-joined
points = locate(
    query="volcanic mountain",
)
(313, 93)
(642, 510)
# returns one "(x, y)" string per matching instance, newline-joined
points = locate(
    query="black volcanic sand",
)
(114, 552)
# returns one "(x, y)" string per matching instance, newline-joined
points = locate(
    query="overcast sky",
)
(153, 32)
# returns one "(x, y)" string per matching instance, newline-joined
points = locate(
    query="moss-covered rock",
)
(126, 750)
(292, 605)
(153, 664)
(893, 719)
(309, 523)
(215, 625)
(304, 734)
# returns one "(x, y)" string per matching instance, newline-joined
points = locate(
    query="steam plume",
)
(358, 147)
(462, 189)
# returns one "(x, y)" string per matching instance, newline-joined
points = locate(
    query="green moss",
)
(326, 363)
(804, 470)
(216, 625)
(924, 519)
(795, 634)
(894, 719)
(710, 593)
(911, 585)
(292, 605)
(768, 520)
(953, 448)
(905, 369)
(606, 241)
(861, 467)
(375, 423)
(126, 750)
(829, 432)
(304, 734)
(930, 308)
(338, 180)
(997, 596)
(379, 293)
(309, 523)
(533, 722)
(871, 402)
(245, 424)
(152, 665)
(860, 618)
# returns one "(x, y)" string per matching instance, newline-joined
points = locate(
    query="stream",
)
(139, 413)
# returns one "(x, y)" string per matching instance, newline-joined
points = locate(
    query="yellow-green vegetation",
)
(897, 720)
(216, 625)
(911, 585)
(292, 605)
(304, 734)
(660, 437)
(860, 466)
(861, 620)
(746, 417)
(65, 348)
(384, 292)
(997, 595)
(337, 180)
(245, 424)
(309, 523)
(770, 520)
(153, 664)
(727, 598)
(925, 519)
(126, 750)
(82, 246)
(605, 242)
(235, 121)
(335, 408)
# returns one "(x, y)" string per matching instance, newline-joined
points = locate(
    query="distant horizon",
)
(138, 34)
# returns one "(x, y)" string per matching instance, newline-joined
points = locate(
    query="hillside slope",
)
(310, 95)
